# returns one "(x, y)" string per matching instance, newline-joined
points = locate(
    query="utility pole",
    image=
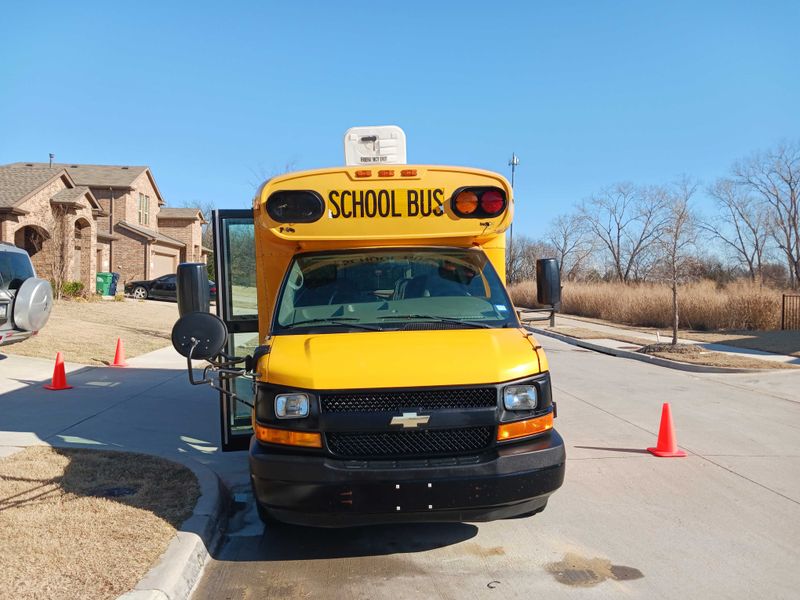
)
(512, 162)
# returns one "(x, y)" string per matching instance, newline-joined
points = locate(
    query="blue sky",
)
(217, 96)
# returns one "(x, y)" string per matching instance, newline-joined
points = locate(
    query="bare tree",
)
(627, 221)
(569, 236)
(775, 176)
(742, 225)
(521, 258)
(260, 174)
(57, 250)
(679, 236)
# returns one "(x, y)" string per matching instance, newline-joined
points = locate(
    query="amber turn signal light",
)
(287, 437)
(467, 202)
(518, 429)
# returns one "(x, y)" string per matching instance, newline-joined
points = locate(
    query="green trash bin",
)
(103, 283)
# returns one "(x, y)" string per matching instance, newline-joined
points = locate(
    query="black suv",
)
(25, 300)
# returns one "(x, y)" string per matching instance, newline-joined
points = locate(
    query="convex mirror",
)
(199, 334)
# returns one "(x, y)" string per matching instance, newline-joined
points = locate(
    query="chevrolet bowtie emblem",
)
(411, 419)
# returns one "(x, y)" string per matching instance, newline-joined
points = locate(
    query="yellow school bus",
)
(387, 376)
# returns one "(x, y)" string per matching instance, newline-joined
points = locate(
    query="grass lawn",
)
(87, 331)
(86, 523)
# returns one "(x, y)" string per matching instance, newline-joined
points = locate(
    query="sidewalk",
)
(617, 345)
(148, 407)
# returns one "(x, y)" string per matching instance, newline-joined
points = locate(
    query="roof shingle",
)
(92, 175)
(179, 213)
(151, 234)
(18, 182)
(74, 194)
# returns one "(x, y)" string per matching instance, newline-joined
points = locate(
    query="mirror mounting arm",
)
(222, 368)
(190, 367)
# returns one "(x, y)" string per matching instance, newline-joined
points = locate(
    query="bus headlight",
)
(520, 397)
(291, 406)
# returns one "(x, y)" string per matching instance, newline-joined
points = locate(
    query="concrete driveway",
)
(722, 523)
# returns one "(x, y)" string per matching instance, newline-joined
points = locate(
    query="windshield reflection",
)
(378, 289)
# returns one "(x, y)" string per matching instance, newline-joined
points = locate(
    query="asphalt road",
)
(722, 523)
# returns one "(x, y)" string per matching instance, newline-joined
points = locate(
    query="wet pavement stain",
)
(578, 571)
(481, 551)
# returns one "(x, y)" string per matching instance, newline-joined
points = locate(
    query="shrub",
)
(72, 289)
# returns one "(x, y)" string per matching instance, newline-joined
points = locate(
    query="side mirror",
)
(199, 335)
(193, 293)
(548, 282)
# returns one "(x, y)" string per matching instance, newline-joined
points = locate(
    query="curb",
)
(181, 565)
(654, 360)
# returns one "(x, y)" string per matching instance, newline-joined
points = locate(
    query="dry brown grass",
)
(703, 305)
(60, 539)
(721, 359)
(86, 332)
(779, 342)
(523, 294)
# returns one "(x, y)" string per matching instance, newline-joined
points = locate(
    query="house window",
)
(144, 209)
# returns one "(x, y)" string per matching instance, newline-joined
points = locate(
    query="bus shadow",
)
(282, 542)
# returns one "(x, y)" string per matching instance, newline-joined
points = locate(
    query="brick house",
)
(89, 218)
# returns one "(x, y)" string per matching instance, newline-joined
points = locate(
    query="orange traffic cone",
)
(59, 381)
(667, 445)
(119, 355)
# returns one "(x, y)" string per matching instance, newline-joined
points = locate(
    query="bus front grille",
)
(390, 401)
(423, 442)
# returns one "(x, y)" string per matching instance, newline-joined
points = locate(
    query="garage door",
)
(163, 264)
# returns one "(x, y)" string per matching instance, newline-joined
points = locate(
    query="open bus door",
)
(237, 306)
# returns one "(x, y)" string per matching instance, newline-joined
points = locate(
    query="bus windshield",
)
(381, 290)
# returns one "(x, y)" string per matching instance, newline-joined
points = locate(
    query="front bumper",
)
(13, 336)
(506, 482)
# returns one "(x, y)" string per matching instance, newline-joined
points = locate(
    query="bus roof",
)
(384, 205)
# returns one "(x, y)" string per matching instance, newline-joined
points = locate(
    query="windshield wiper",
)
(440, 319)
(345, 321)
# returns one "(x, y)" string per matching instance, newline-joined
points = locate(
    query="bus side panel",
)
(496, 252)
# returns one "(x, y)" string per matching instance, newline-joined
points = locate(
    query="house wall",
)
(186, 231)
(104, 196)
(130, 256)
(102, 256)
(141, 185)
(53, 254)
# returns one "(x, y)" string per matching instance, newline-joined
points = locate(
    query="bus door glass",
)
(237, 306)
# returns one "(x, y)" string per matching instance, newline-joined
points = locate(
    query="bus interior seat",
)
(400, 288)
(417, 287)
